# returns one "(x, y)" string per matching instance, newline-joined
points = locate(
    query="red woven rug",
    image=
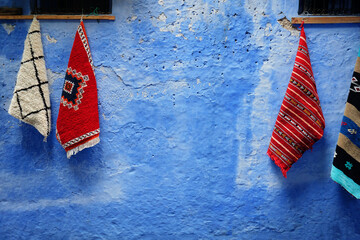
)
(77, 125)
(300, 122)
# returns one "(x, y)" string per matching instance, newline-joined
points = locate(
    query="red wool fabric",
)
(300, 122)
(77, 125)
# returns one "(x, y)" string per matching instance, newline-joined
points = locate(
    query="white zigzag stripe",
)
(78, 139)
(86, 45)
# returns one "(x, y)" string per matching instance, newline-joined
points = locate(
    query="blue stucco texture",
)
(188, 96)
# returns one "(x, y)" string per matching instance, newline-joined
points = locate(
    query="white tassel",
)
(88, 144)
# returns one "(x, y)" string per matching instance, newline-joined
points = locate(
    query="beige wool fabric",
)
(31, 100)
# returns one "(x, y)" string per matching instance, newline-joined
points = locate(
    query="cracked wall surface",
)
(188, 95)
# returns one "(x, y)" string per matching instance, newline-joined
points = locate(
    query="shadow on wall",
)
(32, 141)
(86, 166)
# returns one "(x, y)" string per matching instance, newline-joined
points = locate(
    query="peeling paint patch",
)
(50, 39)
(190, 14)
(131, 19)
(162, 17)
(181, 35)
(8, 27)
(285, 23)
(268, 29)
(52, 76)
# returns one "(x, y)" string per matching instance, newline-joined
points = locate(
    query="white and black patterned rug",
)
(31, 100)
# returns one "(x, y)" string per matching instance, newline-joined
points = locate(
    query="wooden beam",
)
(60, 17)
(324, 20)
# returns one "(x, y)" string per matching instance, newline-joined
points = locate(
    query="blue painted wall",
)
(188, 95)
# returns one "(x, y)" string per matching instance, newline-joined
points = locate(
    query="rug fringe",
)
(88, 144)
(283, 167)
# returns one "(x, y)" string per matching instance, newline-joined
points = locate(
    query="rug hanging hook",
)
(35, 13)
(302, 24)
(82, 15)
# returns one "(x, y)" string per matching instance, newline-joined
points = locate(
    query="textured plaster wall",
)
(188, 95)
